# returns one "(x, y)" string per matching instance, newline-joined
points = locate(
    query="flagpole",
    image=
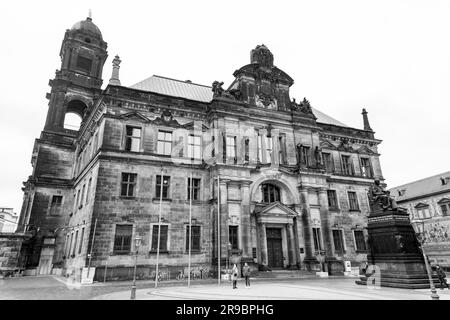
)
(190, 231)
(159, 226)
(218, 229)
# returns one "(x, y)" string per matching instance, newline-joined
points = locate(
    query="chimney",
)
(115, 81)
(366, 120)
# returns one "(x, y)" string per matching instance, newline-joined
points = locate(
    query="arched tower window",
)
(72, 121)
(270, 193)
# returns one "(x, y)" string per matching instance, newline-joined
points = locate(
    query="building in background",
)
(8, 220)
(292, 181)
(428, 200)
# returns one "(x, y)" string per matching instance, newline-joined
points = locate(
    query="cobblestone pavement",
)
(56, 287)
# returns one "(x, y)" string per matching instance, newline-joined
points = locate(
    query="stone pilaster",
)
(307, 226)
(263, 239)
(246, 237)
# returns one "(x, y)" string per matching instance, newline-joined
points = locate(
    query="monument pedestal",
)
(395, 258)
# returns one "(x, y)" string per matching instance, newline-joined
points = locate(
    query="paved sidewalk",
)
(305, 289)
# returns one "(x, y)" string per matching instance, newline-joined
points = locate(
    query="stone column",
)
(306, 219)
(246, 238)
(263, 240)
(223, 219)
(263, 134)
(292, 252)
(326, 228)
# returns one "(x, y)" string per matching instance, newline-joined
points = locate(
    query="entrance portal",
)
(274, 248)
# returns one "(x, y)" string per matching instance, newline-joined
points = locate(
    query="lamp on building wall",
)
(137, 244)
(419, 228)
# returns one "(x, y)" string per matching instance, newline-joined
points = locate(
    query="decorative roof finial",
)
(90, 14)
(366, 120)
(115, 81)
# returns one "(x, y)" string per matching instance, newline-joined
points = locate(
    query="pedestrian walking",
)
(246, 273)
(234, 275)
(441, 275)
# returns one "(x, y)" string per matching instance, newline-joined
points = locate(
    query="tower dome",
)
(88, 26)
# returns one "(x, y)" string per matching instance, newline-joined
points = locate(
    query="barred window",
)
(353, 201)
(195, 238)
(163, 238)
(122, 239)
(128, 184)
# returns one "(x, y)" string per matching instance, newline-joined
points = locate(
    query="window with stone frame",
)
(55, 205)
(231, 148)
(163, 238)
(338, 240)
(270, 193)
(360, 240)
(328, 162)
(133, 139)
(347, 165)
(423, 211)
(317, 237)
(67, 246)
(80, 205)
(75, 244)
(128, 184)
(88, 191)
(194, 147)
(282, 149)
(269, 149)
(165, 187)
(366, 168)
(164, 145)
(233, 237)
(353, 201)
(195, 189)
(122, 239)
(444, 204)
(332, 199)
(80, 247)
(305, 152)
(84, 63)
(77, 206)
(247, 150)
(259, 141)
(195, 238)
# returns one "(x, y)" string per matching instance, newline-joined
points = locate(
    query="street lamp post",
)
(419, 228)
(137, 244)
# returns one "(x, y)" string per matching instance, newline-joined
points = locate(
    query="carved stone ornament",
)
(266, 100)
(217, 89)
(166, 119)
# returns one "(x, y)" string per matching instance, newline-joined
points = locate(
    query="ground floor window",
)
(338, 239)
(195, 238)
(233, 237)
(163, 238)
(360, 241)
(317, 240)
(122, 239)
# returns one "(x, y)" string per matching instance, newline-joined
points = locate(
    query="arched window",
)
(72, 121)
(270, 193)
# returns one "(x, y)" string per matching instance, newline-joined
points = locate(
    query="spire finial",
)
(115, 73)
(90, 14)
(366, 120)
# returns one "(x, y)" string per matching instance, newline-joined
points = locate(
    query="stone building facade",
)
(274, 182)
(428, 201)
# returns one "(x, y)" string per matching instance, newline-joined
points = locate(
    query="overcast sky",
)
(391, 57)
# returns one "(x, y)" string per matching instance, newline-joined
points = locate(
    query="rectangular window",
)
(328, 162)
(260, 159)
(165, 188)
(133, 139)
(122, 239)
(366, 168)
(282, 149)
(347, 166)
(75, 244)
(163, 238)
(306, 155)
(70, 245)
(317, 239)
(81, 241)
(338, 240)
(353, 201)
(164, 143)
(231, 149)
(194, 147)
(128, 184)
(78, 199)
(56, 201)
(360, 241)
(195, 189)
(82, 196)
(195, 238)
(95, 145)
(84, 63)
(88, 190)
(332, 199)
(66, 251)
(269, 149)
(444, 209)
(247, 150)
(233, 237)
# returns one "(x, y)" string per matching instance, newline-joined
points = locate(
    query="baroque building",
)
(428, 203)
(266, 180)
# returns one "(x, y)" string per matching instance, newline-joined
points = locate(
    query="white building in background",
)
(8, 220)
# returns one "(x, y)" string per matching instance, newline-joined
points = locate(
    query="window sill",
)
(194, 252)
(354, 210)
(127, 197)
(195, 201)
(335, 209)
(160, 252)
(362, 251)
(121, 253)
(163, 200)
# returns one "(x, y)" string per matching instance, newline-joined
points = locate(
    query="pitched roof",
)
(422, 187)
(202, 93)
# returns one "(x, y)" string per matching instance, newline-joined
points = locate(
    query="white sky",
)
(391, 57)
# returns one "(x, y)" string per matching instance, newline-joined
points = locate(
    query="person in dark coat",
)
(246, 274)
(441, 275)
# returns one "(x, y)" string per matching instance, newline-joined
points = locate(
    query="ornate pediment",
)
(444, 200)
(274, 209)
(421, 205)
(365, 150)
(325, 144)
(166, 119)
(135, 116)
